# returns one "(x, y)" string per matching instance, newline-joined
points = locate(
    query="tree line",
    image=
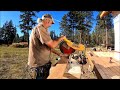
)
(76, 25)
(8, 33)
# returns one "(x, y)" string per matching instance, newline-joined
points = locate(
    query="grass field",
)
(13, 62)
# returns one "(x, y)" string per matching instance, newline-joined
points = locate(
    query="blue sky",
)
(15, 17)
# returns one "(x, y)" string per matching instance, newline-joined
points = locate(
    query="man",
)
(40, 48)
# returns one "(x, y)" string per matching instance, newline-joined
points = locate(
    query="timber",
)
(104, 13)
(105, 69)
(58, 71)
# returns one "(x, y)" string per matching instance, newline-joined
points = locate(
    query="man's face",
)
(48, 22)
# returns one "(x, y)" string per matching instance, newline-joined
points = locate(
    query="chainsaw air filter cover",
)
(65, 49)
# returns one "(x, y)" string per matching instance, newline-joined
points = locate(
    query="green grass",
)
(13, 62)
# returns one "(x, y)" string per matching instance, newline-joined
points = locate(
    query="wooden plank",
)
(105, 69)
(89, 59)
(98, 70)
(59, 69)
(101, 72)
(97, 73)
(105, 74)
(105, 66)
(71, 76)
(101, 69)
(114, 66)
(104, 13)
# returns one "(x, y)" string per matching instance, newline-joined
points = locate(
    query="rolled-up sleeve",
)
(43, 35)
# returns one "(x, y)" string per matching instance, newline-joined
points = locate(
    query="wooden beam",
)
(59, 70)
(106, 69)
(104, 13)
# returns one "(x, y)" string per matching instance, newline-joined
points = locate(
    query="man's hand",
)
(62, 37)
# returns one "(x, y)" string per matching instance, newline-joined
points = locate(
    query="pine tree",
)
(8, 32)
(16, 39)
(27, 22)
(64, 27)
(75, 21)
(103, 30)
